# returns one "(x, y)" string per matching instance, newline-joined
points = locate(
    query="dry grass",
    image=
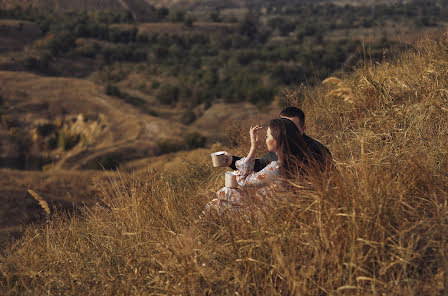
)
(378, 227)
(43, 204)
(119, 128)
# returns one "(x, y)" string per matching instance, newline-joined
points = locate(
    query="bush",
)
(51, 142)
(178, 16)
(188, 117)
(155, 84)
(105, 162)
(168, 94)
(123, 36)
(195, 140)
(112, 90)
(88, 50)
(249, 26)
(261, 95)
(60, 43)
(31, 63)
(44, 130)
(123, 52)
(167, 146)
(3, 108)
(67, 140)
(188, 22)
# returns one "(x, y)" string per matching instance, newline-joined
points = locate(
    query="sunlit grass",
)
(376, 227)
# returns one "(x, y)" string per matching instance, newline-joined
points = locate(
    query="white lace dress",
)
(257, 183)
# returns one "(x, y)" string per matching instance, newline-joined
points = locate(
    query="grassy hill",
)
(377, 227)
(96, 123)
(58, 134)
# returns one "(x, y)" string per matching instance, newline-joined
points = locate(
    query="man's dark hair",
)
(294, 112)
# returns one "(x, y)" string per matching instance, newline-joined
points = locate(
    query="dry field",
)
(378, 226)
(109, 129)
(107, 124)
(65, 191)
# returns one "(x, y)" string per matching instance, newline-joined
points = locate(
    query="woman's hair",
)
(293, 150)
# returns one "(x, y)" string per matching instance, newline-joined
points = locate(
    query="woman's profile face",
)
(271, 143)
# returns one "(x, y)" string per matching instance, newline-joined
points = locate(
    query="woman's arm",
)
(246, 176)
(254, 141)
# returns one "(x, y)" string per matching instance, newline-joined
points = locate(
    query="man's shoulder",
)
(315, 145)
(272, 156)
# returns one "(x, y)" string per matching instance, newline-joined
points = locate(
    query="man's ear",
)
(303, 129)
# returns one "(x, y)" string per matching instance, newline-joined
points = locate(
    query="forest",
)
(249, 57)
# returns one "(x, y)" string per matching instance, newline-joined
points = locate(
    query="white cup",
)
(219, 159)
(231, 180)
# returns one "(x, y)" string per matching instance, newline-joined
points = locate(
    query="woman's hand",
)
(255, 136)
(254, 133)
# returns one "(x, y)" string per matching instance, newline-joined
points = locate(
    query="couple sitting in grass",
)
(291, 154)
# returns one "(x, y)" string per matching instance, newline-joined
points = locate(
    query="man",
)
(296, 115)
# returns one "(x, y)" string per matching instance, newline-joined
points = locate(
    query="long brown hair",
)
(292, 148)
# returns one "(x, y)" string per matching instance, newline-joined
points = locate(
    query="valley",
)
(90, 87)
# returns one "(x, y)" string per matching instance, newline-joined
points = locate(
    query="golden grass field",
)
(378, 226)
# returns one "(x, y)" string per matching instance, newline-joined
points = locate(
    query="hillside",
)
(136, 6)
(102, 125)
(59, 134)
(377, 227)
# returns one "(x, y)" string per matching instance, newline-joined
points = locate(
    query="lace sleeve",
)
(246, 176)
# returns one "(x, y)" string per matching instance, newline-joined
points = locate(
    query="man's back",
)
(319, 151)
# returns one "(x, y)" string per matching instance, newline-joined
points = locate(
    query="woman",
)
(283, 138)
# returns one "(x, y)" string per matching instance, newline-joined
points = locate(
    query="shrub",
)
(123, 36)
(167, 146)
(112, 90)
(215, 16)
(51, 142)
(188, 117)
(67, 140)
(178, 16)
(162, 13)
(3, 107)
(188, 22)
(123, 52)
(105, 162)
(249, 26)
(152, 112)
(168, 94)
(155, 84)
(195, 140)
(261, 95)
(60, 43)
(31, 63)
(88, 50)
(44, 130)
(22, 139)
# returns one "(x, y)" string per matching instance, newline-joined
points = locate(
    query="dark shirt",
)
(319, 151)
(260, 163)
